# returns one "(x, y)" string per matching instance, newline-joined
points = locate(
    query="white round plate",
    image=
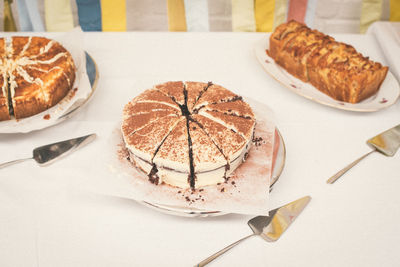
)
(387, 95)
(93, 75)
(280, 157)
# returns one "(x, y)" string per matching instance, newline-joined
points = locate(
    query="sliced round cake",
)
(36, 73)
(187, 134)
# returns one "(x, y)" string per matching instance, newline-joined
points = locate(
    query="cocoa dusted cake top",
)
(187, 134)
(36, 73)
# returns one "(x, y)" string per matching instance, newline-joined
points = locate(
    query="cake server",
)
(47, 154)
(387, 143)
(271, 227)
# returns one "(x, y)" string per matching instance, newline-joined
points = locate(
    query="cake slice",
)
(232, 145)
(36, 46)
(4, 108)
(172, 160)
(145, 142)
(133, 108)
(237, 108)
(17, 45)
(174, 90)
(53, 65)
(229, 142)
(194, 91)
(209, 164)
(281, 33)
(26, 93)
(133, 123)
(242, 126)
(155, 96)
(215, 94)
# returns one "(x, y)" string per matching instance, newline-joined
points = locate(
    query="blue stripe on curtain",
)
(89, 13)
(29, 17)
(310, 13)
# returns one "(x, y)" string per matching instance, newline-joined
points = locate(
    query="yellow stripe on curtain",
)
(58, 15)
(9, 22)
(281, 7)
(113, 15)
(264, 14)
(176, 16)
(371, 11)
(394, 10)
(243, 16)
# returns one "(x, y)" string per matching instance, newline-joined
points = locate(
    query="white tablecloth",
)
(48, 219)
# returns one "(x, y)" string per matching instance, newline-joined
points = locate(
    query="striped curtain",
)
(101, 15)
(247, 15)
(179, 15)
(372, 10)
(188, 15)
(266, 15)
(93, 15)
(8, 18)
(29, 17)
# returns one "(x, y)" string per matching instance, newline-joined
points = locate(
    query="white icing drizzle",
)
(46, 48)
(54, 68)
(25, 75)
(13, 84)
(4, 85)
(66, 77)
(24, 61)
(26, 46)
(52, 60)
(3, 73)
(9, 48)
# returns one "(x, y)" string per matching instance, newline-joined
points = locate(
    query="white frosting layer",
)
(175, 165)
(179, 177)
(139, 153)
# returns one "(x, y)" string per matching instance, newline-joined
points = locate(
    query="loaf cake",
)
(35, 74)
(332, 67)
(187, 134)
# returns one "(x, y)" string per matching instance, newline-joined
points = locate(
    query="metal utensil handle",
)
(219, 253)
(5, 164)
(345, 169)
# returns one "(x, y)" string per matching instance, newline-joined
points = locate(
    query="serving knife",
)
(387, 143)
(47, 154)
(271, 227)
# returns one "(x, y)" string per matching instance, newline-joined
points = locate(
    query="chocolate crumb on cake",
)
(188, 134)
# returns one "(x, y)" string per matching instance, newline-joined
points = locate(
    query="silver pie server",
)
(387, 143)
(47, 154)
(271, 227)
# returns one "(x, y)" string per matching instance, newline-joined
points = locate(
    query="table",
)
(48, 219)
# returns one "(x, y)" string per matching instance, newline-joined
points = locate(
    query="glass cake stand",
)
(278, 165)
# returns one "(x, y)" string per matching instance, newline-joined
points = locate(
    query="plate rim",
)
(262, 45)
(198, 213)
(69, 113)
